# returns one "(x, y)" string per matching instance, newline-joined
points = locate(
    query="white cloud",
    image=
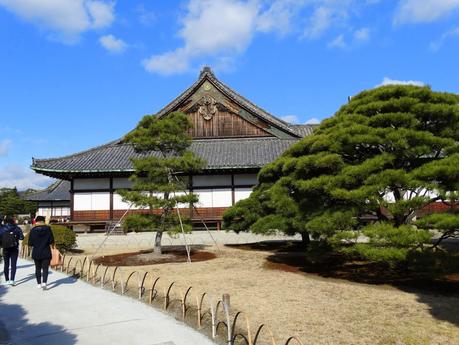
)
(101, 13)
(362, 35)
(338, 42)
(424, 11)
(64, 19)
(222, 29)
(22, 178)
(319, 22)
(113, 44)
(279, 16)
(209, 28)
(168, 63)
(437, 44)
(388, 81)
(5, 145)
(312, 121)
(290, 118)
(145, 16)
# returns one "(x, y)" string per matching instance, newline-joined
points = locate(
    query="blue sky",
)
(78, 73)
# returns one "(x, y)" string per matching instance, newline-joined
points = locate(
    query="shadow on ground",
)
(13, 320)
(439, 292)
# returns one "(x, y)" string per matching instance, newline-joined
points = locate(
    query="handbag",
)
(56, 257)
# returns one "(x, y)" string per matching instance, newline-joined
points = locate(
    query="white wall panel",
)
(211, 180)
(100, 201)
(121, 183)
(91, 201)
(91, 183)
(241, 193)
(205, 197)
(82, 201)
(221, 198)
(245, 179)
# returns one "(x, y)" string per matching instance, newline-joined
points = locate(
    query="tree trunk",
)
(157, 248)
(305, 240)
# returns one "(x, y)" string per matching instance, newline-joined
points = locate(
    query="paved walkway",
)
(74, 312)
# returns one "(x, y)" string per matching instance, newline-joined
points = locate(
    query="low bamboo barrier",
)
(208, 315)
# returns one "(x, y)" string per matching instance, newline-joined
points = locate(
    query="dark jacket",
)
(40, 238)
(16, 231)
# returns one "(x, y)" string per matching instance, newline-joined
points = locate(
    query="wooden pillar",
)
(233, 196)
(71, 199)
(190, 188)
(111, 198)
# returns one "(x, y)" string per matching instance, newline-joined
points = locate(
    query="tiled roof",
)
(207, 74)
(218, 153)
(59, 190)
(304, 130)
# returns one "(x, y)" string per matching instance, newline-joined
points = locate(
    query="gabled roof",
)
(58, 191)
(207, 74)
(115, 157)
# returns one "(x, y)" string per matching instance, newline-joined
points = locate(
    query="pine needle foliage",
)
(369, 169)
(160, 181)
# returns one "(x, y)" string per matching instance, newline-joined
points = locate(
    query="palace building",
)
(234, 136)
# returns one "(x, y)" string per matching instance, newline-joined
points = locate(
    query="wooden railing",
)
(196, 215)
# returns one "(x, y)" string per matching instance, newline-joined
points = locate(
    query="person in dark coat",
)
(10, 235)
(41, 238)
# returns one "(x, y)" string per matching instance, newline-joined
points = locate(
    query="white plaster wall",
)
(91, 201)
(245, 179)
(91, 183)
(214, 197)
(222, 198)
(121, 183)
(211, 180)
(241, 193)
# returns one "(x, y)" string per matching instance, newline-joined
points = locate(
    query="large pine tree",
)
(377, 159)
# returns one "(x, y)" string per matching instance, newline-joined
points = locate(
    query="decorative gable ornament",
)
(207, 107)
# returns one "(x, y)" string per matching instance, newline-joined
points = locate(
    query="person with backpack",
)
(41, 238)
(10, 235)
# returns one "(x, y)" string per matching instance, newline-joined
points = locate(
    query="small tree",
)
(158, 185)
(12, 204)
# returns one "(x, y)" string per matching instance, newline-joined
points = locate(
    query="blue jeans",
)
(10, 256)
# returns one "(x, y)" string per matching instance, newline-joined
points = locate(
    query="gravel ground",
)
(317, 310)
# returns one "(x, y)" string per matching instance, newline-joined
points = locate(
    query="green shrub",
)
(64, 238)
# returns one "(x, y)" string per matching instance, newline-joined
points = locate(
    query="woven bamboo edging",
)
(205, 313)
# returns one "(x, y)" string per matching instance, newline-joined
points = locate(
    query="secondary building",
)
(234, 136)
(53, 202)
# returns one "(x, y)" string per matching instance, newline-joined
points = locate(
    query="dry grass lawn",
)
(317, 310)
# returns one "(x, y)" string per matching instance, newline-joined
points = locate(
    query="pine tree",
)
(373, 160)
(160, 184)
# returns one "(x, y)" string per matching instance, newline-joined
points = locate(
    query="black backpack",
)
(9, 240)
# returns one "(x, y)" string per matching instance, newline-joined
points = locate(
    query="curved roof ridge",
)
(79, 153)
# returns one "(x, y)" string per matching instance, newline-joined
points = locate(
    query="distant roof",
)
(243, 153)
(207, 74)
(59, 190)
(304, 130)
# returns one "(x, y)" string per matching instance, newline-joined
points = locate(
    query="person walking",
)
(40, 239)
(10, 235)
